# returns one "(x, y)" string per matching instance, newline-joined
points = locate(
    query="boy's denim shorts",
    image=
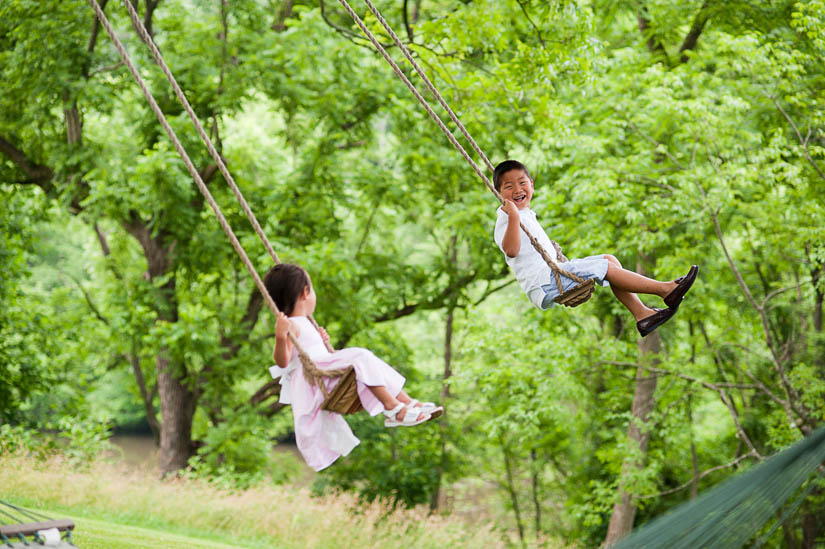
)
(594, 267)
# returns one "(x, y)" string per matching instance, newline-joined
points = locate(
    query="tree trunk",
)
(511, 489)
(177, 396)
(284, 12)
(437, 499)
(819, 297)
(812, 523)
(534, 491)
(71, 115)
(147, 396)
(177, 404)
(624, 510)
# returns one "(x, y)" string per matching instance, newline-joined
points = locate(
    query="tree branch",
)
(88, 299)
(641, 180)
(802, 141)
(699, 476)
(490, 291)
(247, 323)
(38, 174)
(407, 26)
(146, 395)
(147, 17)
(93, 40)
(779, 291)
(353, 37)
(434, 303)
(653, 44)
(692, 37)
(716, 387)
(790, 392)
(530, 20)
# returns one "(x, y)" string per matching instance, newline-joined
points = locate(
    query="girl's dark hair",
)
(285, 282)
(503, 168)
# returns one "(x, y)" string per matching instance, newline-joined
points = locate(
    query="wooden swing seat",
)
(577, 294)
(343, 399)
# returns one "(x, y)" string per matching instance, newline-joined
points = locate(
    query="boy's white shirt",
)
(530, 269)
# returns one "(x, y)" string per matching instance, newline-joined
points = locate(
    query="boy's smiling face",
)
(518, 187)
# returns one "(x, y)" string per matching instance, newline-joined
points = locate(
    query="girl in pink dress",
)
(324, 436)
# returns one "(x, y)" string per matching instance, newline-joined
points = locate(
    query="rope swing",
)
(572, 297)
(343, 398)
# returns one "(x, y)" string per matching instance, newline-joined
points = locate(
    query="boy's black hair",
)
(285, 282)
(504, 167)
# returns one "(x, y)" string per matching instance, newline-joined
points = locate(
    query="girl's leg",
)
(390, 402)
(626, 283)
(403, 397)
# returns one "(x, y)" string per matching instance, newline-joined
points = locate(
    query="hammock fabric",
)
(22, 528)
(732, 513)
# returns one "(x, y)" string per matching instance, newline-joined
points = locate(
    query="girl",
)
(324, 436)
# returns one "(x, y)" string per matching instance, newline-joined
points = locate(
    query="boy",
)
(512, 180)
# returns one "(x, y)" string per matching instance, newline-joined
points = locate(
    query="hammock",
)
(732, 513)
(22, 528)
(343, 398)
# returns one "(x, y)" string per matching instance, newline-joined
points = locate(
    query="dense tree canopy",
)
(664, 133)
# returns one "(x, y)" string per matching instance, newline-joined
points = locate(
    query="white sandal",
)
(414, 416)
(428, 408)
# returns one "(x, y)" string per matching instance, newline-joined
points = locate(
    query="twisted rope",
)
(551, 262)
(137, 22)
(311, 370)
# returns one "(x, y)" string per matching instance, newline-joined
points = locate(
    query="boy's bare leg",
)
(634, 282)
(626, 283)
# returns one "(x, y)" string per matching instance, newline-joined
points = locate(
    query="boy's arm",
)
(511, 243)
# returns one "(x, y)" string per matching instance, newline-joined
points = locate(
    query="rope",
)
(311, 371)
(429, 84)
(137, 22)
(533, 241)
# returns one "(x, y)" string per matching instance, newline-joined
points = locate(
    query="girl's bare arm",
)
(283, 347)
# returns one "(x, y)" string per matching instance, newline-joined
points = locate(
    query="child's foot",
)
(428, 408)
(649, 323)
(683, 284)
(405, 415)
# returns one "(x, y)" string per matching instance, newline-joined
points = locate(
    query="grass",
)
(100, 534)
(117, 507)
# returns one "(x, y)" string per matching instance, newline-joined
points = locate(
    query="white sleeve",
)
(501, 228)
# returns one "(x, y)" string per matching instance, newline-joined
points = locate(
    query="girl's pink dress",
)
(324, 436)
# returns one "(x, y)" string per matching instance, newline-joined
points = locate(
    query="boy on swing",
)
(512, 180)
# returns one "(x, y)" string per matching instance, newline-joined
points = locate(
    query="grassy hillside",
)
(117, 507)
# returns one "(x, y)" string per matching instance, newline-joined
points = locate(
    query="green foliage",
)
(235, 451)
(18, 439)
(85, 440)
(642, 145)
(19, 330)
(82, 442)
